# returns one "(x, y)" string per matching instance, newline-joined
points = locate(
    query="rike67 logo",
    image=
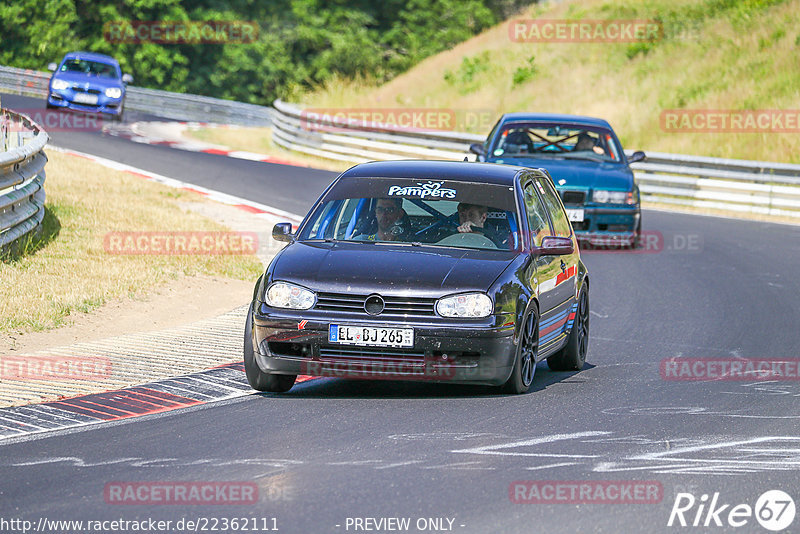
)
(774, 510)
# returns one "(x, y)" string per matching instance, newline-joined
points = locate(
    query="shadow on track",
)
(350, 388)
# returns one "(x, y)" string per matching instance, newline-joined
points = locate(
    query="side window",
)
(537, 218)
(560, 221)
(491, 135)
(344, 217)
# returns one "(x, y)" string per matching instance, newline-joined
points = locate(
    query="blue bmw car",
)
(589, 169)
(85, 81)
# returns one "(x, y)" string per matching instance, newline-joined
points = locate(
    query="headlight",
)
(465, 305)
(284, 295)
(59, 85)
(613, 197)
(113, 92)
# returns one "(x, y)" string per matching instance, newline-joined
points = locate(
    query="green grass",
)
(65, 269)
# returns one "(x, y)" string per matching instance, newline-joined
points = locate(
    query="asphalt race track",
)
(332, 451)
(293, 188)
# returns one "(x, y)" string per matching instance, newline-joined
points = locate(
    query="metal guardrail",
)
(729, 184)
(736, 185)
(22, 161)
(176, 106)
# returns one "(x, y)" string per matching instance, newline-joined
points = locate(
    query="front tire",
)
(573, 355)
(258, 379)
(637, 235)
(525, 362)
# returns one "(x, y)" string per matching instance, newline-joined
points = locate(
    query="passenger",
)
(518, 142)
(392, 221)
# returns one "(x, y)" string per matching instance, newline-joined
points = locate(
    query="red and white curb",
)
(217, 384)
(222, 383)
(249, 206)
(137, 133)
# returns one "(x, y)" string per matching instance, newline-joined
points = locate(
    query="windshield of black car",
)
(417, 212)
(92, 68)
(556, 140)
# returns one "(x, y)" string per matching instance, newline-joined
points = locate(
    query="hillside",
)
(712, 54)
(240, 49)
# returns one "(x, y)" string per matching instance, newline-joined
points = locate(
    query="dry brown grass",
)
(729, 61)
(71, 272)
(259, 141)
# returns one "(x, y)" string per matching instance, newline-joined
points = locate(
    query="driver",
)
(472, 219)
(471, 216)
(587, 142)
(390, 216)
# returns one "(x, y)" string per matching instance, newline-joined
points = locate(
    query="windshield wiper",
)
(535, 155)
(321, 240)
(591, 157)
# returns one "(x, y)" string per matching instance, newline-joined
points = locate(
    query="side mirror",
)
(127, 78)
(52, 67)
(479, 150)
(556, 246)
(282, 232)
(637, 156)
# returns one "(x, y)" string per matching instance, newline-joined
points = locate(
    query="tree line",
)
(265, 50)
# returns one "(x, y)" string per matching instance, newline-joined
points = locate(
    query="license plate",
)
(575, 215)
(371, 336)
(85, 98)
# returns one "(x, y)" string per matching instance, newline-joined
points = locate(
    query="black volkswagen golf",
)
(423, 270)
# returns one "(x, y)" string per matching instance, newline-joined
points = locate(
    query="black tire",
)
(573, 355)
(637, 235)
(48, 105)
(525, 361)
(258, 379)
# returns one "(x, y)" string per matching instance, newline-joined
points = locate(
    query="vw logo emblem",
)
(374, 305)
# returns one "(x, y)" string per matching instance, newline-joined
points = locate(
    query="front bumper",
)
(108, 106)
(453, 353)
(608, 226)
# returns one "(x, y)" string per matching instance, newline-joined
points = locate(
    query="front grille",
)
(82, 90)
(573, 197)
(405, 306)
(372, 360)
(371, 354)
